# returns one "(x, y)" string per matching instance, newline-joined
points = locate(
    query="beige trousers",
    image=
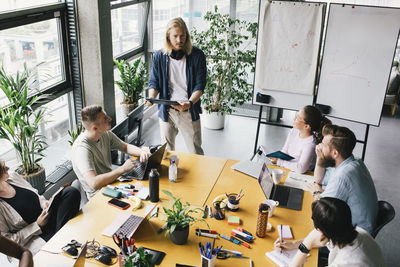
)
(191, 131)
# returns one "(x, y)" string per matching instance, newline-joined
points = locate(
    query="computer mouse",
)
(108, 251)
(103, 258)
(70, 250)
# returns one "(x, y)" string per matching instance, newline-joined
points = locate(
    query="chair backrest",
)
(386, 213)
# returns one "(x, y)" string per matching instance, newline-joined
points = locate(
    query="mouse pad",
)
(157, 256)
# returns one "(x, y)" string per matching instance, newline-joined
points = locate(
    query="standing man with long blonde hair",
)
(179, 73)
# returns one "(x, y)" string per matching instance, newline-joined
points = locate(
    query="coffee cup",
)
(271, 204)
(277, 175)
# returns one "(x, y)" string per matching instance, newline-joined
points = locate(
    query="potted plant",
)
(179, 219)
(139, 258)
(229, 60)
(74, 134)
(19, 124)
(133, 80)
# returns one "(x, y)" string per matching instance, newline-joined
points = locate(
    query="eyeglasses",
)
(297, 118)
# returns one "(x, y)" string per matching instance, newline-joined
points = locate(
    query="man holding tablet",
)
(179, 74)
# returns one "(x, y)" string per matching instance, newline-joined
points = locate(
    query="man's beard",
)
(327, 162)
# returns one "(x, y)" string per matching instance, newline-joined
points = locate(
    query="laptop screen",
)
(264, 179)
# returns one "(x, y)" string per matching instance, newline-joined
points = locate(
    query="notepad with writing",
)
(286, 231)
(283, 258)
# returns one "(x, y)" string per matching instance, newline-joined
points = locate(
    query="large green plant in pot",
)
(230, 57)
(133, 81)
(20, 121)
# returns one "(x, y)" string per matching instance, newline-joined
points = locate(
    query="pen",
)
(206, 235)
(239, 242)
(206, 231)
(251, 263)
(209, 212)
(242, 238)
(280, 235)
(244, 231)
(243, 234)
(236, 253)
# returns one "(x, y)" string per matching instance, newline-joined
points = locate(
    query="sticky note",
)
(234, 220)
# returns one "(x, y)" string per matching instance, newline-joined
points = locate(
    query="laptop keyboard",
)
(282, 195)
(129, 226)
(138, 171)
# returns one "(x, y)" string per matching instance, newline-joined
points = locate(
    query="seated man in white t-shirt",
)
(91, 151)
(348, 245)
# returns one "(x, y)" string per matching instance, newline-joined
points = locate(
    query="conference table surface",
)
(200, 180)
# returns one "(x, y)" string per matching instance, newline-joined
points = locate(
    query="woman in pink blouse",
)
(302, 139)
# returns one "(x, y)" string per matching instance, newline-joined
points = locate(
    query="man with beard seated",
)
(339, 175)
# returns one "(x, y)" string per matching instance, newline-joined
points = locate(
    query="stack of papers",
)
(300, 181)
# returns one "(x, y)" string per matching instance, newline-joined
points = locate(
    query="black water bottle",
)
(154, 178)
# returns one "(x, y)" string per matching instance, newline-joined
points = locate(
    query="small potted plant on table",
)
(179, 219)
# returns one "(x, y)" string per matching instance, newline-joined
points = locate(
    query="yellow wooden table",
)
(200, 179)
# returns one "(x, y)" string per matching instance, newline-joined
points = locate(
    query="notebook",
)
(248, 167)
(132, 223)
(141, 171)
(288, 197)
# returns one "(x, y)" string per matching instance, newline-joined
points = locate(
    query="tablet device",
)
(157, 256)
(53, 199)
(280, 155)
(162, 101)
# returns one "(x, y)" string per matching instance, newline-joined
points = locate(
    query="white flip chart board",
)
(357, 57)
(288, 45)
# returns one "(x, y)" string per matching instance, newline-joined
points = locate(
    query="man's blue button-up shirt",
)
(196, 76)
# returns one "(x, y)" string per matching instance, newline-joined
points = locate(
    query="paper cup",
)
(272, 204)
(277, 175)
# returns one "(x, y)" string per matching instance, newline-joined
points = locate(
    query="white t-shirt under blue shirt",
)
(352, 183)
(177, 79)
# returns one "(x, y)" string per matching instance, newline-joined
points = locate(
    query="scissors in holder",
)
(223, 255)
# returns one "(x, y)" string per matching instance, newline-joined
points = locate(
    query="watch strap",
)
(303, 248)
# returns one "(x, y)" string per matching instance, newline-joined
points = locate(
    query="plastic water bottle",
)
(173, 171)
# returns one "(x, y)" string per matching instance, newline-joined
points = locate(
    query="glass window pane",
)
(118, 93)
(7, 5)
(33, 44)
(163, 11)
(128, 27)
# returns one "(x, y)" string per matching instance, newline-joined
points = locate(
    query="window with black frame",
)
(35, 36)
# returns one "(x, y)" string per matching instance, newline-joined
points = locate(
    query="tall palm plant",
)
(19, 121)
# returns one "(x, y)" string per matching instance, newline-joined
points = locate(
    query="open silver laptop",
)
(288, 197)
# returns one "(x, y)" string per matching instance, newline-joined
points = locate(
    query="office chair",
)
(385, 215)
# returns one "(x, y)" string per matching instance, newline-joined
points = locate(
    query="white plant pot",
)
(213, 120)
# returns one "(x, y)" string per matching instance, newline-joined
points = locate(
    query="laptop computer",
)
(127, 223)
(80, 261)
(288, 197)
(142, 169)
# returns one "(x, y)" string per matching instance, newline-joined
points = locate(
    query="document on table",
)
(297, 180)
(282, 259)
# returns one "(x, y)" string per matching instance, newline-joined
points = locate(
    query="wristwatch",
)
(191, 103)
(316, 193)
(303, 248)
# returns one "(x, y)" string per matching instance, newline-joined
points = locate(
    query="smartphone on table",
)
(118, 203)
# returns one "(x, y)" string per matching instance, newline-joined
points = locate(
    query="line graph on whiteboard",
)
(350, 68)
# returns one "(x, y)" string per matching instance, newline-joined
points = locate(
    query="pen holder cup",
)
(121, 260)
(233, 202)
(218, 213)
(206, 262)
